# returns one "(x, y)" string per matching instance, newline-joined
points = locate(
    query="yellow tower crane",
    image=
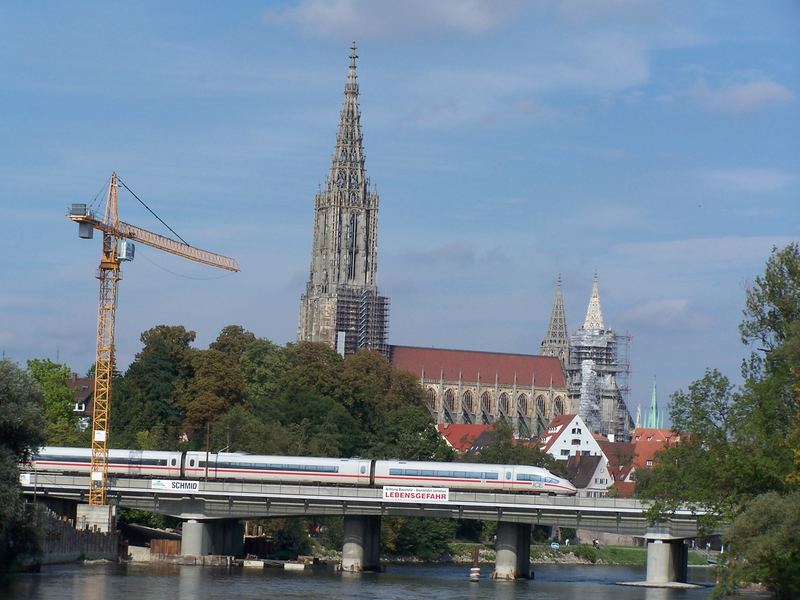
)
(118, 247)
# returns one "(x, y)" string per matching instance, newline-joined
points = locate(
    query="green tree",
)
(263, 367)
(148, 396)
(409, 433)
(745, 442)
(233, 340)
(58, 399)
(21, 430)
(216, 387)
(765, 541)
(772, 303)
(423, 538)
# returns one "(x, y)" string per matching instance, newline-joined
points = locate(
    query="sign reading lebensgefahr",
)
(416, 495)
(174, 485)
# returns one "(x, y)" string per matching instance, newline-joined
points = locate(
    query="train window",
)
(526, 477)
(508, 474)
(191, 462)
(173, 462)
(363, 469)
(491, 475)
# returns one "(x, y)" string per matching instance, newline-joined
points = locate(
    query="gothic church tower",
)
(341, 305)
(556, 341)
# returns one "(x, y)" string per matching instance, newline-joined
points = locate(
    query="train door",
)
(507, 477)
(135, 462)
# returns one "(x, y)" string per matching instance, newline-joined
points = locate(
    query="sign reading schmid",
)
(415, 494)
(170, 485)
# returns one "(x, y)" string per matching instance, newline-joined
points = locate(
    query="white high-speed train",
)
(306, 469)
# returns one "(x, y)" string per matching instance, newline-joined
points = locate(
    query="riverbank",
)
(579, 554)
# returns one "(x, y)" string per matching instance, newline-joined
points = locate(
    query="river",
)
(406, 582)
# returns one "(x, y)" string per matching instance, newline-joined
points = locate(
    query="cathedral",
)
(342, 306)
(583, 373)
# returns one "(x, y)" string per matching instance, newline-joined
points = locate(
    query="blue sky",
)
(654, 142)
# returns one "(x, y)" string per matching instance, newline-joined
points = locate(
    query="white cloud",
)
(721, 252)
(741, 97)
(749, 180)
(671, 314)
(372, 19)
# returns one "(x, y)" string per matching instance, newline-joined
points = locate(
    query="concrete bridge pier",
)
(667, 560)
(513, 550)
(222, 536)
(362, 544)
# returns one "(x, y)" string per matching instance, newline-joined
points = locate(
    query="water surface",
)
(401, 582)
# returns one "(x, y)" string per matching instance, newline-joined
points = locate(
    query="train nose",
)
(572, 490)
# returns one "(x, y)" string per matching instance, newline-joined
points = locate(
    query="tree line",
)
(247, 394)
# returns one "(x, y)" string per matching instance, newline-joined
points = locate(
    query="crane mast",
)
(109, 273)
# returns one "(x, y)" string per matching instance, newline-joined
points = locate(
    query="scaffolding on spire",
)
(598, 373)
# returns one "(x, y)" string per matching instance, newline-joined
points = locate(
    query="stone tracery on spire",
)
(556, 341)
(594, 313)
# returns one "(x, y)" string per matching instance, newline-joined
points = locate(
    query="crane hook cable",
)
(151, 211)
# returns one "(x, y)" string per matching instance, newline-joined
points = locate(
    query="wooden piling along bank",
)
(61, 542)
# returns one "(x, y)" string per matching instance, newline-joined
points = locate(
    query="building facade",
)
(464, 386)
(341, 305)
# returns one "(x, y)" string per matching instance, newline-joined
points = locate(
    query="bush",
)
(584, 551)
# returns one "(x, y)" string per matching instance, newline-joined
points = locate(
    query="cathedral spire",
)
(341, 299)
(556, 341)
(594, 314)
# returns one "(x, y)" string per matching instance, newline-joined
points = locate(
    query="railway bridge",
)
(212, 511)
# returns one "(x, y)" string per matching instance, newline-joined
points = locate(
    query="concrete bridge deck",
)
(238, 500)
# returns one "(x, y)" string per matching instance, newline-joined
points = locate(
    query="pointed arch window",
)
(486, 403)
(467, 402)
(449, 400)
(430, 397)
(540, 404)
(352, 246)
(522, 404)
(503, 404)
(558, 406)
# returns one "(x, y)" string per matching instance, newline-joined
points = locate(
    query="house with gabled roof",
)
(568, 435)
(84, 399)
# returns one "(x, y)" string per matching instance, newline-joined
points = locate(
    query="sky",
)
(655, 143)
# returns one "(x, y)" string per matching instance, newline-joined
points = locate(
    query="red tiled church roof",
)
(469, 365)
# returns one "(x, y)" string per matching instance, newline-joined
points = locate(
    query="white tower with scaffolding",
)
(597, 373)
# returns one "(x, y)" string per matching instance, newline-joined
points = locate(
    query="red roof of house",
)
(653, 435)
(83, 386)
(461, 436)
(647, 442)
(621, 459)
(558, 423)
(625, 488)
(469, 365)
